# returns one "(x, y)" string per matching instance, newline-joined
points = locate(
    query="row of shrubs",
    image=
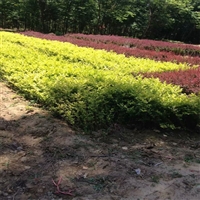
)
(120, 49)
(144, 44)
(188, 80)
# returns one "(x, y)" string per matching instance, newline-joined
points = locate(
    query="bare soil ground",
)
(38, 151)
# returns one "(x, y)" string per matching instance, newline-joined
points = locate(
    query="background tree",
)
(154, 19)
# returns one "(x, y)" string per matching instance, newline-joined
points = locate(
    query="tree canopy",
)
(154, 19)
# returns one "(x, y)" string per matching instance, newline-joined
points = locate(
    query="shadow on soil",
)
(117, 163)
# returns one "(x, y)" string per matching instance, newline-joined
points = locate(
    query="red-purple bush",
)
(188, 80)
(178, 49)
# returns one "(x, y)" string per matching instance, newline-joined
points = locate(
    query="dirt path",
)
(117, 164)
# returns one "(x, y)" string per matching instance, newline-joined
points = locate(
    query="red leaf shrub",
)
(176, 48)
(188, 80)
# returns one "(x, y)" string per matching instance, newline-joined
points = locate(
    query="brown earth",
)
(116, 164)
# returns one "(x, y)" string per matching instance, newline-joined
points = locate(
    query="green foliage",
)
(94, 88)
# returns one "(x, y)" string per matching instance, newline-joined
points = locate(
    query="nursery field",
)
(87, 117)
(92, 88)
